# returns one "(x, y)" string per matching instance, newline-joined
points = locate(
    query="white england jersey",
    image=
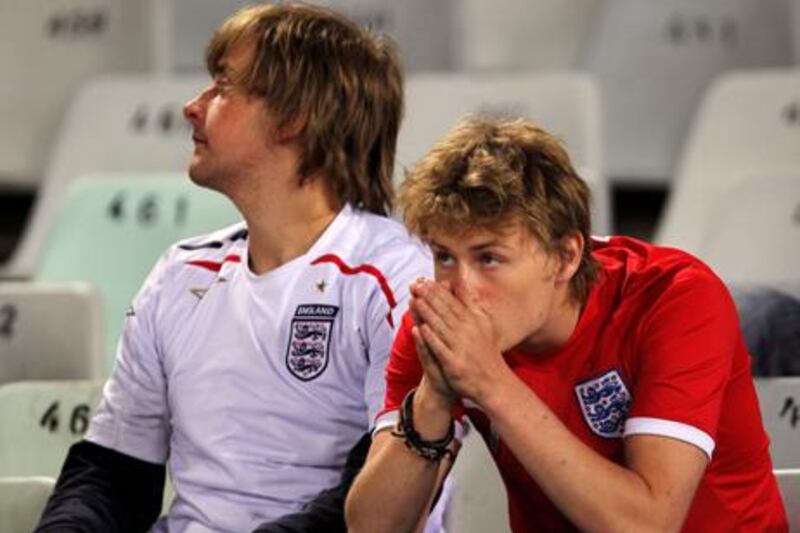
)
(256, 387)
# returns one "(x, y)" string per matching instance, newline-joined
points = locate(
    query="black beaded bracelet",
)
(432, 450)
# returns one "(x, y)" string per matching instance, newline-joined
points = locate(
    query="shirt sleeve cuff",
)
(669, 428)
(142, 447)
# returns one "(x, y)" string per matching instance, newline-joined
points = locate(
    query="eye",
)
(443, 259)
(488, 259)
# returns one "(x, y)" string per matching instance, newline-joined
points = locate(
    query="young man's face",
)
(523, 288)
(232, 131)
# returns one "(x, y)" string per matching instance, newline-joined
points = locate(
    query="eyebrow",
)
(477, 248)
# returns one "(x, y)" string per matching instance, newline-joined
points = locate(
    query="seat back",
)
(57, 46)
(796, 27)
(522, 35)
(567, 105)
(780, 409)
(40, 421)
(22, 500)
(754, 233)
(50, 331)
(422, 29)
(116, 124)
(747, 128)
(479, 501)
(654, 61)
(789, 485)
(111, 230)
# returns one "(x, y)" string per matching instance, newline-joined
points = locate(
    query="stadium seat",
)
(50, 331)
(747, 128)
(422, 29)
(479, 497)
(51, 49)
(522, 35)
(754, 232)
(780, 408)
(116, 124)
(565, 104)
(40, 421)
(22, 500)
(111, 230)
(789, 484)
(654, 60)
(796, 25)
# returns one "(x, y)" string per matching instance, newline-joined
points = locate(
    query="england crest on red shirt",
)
(605, 402)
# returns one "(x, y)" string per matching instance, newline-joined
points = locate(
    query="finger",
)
(432, 366)
(422, 349)
(430, 316)
(440, 298)
(412, 307)
(416, 286)
(441, 352)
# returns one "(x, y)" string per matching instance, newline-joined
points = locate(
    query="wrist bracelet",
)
(432, 450)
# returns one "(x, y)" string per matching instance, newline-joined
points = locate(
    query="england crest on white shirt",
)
(309, 343)
(605, 402)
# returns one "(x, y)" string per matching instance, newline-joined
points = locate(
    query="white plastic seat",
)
(422, 29)
(116, 124)
(50, 331)
(780, 409)
(522, 35)
(754, 234)
(479, 501)
(654, 60)
(796, 26)
(111, 230)
(564, 104)
(747, 128)
(22, 500)
(40, 421)
(789, 485)
(50, 49)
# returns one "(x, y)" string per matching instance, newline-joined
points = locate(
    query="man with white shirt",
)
(252, 361)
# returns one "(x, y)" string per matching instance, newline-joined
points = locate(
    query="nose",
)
(193, 109)
(464, 275)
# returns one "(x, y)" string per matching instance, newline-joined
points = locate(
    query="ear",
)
(571, 252)
(291, 129)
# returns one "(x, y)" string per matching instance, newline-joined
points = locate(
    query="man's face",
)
(519, 285)
(232, 132)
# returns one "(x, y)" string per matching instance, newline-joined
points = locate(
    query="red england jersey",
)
(658, 351)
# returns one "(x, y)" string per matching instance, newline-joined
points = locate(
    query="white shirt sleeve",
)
(407, 263)
(133, 414)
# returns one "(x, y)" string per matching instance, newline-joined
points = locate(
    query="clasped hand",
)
(456, 342)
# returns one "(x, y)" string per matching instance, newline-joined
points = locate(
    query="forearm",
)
(103, 490)
(620, 498)
(394, 490)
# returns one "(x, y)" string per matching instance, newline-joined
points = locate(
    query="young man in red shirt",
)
(607, 376)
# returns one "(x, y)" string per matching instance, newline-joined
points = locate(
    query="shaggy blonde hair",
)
(486, 173)
(314, 66)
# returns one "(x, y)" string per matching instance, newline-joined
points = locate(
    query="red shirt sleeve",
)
(687, 348)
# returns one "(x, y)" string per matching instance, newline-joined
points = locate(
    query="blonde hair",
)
(314, 66)
(488, 172)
